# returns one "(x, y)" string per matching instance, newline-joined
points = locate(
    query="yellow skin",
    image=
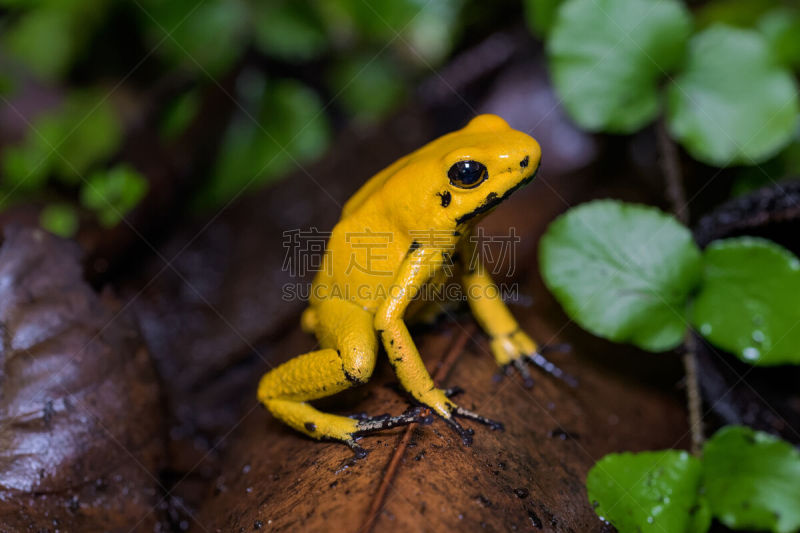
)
(365, 292)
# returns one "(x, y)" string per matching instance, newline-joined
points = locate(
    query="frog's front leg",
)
(510, 345)
(347, 358)
(417, 267)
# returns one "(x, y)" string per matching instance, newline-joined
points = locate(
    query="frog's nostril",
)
(524, 162)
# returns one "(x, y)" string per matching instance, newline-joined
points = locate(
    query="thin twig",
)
(394, 463)
(671, 168)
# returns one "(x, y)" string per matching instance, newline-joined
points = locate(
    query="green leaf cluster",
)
(360, 56)
(630, 273)
(375, 43)
(284, 126)
(66, 142)
(746, 479)
(112, 193)
(727, 92)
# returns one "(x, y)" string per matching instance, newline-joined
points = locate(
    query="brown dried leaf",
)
(79, 415)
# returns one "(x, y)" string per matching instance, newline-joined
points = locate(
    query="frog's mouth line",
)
(492, 200)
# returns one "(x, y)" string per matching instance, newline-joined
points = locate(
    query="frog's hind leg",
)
(347, 358)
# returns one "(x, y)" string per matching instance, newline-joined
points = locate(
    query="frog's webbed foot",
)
(371, 424)
(438, 402)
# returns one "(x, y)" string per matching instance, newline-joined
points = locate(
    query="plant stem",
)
(671, 168)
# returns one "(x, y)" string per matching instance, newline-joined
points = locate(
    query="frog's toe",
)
(536, 358)
(469, 415)
(358, 451)
(452, 392)
(539, 360)
(466, 434)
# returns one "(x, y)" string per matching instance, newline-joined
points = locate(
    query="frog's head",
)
(462, 175)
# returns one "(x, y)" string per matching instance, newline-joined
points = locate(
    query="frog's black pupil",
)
(467, 174)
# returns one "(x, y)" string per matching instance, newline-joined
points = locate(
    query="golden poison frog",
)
(424, 208)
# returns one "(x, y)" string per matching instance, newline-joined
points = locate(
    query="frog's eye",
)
(467, 174)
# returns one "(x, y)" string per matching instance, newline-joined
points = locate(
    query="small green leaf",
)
(59, 219)
(648, 492)
(179, 114)
(43, 39)
(111, 194)
(748, 300)
(541, 15)
(431, 35)
(752, 480)
(781, 27)
(607, 57)
(370, 86)
(380, 21)
(291, 129)
(86, 132)
(49, 36)
(622, 271)
(733, 104)
(25, 166)
(290, 30)
(206, 37)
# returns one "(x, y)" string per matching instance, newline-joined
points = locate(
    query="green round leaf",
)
(648, 492)
(748, 301)
(752, 480)
(290, 30)
(622, 271)
(59, 219)
(113, 193)
(733, 104)
(607, 56)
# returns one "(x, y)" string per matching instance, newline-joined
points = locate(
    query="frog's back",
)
(362, 257)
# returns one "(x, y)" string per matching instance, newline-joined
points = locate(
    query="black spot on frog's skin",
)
(310, 426)
(524, 162)
(446, 197)
(456, 233)
(414, 246)
(491, 197)
(350, 377)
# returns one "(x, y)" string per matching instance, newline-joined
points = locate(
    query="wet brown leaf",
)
(80, 425)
